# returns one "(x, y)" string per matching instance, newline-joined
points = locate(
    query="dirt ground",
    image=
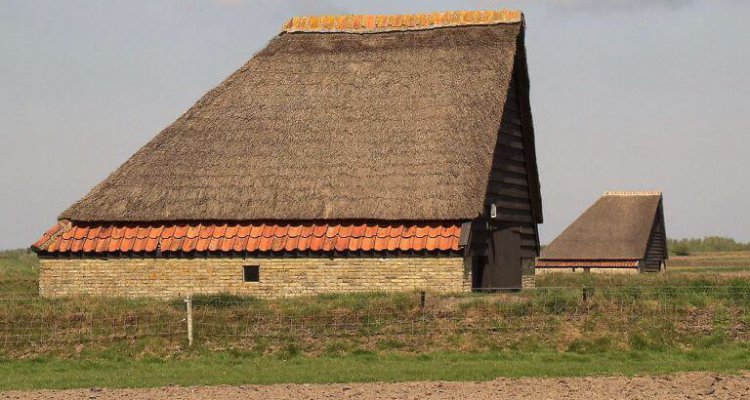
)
(682, 386)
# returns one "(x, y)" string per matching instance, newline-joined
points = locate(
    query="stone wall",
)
(590, 270)
(279, 277)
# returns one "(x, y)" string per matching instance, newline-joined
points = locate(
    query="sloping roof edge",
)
(521, 74)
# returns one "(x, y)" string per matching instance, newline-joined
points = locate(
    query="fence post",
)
(189, 303)
(421, 300)
(587, 292)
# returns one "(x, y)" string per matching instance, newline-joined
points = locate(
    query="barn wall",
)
(279, 277)
(508, 187)
(608, 270)
(657, 246)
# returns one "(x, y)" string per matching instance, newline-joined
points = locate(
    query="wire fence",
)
(677, 315)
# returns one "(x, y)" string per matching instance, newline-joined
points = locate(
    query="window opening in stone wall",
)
(251, 273)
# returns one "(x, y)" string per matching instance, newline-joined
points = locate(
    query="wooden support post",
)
(587, 292)
(189, 304)
(421, 300)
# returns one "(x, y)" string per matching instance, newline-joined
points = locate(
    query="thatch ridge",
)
(372, 23)
(616, 227)
(316, 126)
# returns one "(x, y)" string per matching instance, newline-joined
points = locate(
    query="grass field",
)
(694, 317)
(228, 369)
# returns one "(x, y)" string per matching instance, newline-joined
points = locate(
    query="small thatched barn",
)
(622, 232)
(353, 153)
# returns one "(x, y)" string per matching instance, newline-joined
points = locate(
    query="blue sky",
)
(626, 95)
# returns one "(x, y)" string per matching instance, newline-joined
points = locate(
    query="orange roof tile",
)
(90, 245)
(231, 231)
(368, 243)
(419, 242)
(307, 230)
(226, 244)
(168, 231)
(142, 232)
(243, 231)
(99, 246)
(268, 231)
(127, 243)
(155, 232)
(240, 243)
(316, 243)
(421, 231)
(201, 244)
(342, 244)
(105, 232)
(252, 243)
(396, 231)
(355, 243)
(130, 232)
(386, 23)
(304, 243)
(166, 244)
(151, 244)
(345, 231)
(81, 232)
(295, 231)
(292, 243)
(256, 231)
(265, 242)
(214, 243)
(328, 243)
(65, 237)
(220, 231)
(281, 231)
(432, 243)
(359, 230)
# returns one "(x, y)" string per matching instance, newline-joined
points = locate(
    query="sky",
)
(626, 95)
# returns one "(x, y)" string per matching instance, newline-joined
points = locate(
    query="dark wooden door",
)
(504, 265)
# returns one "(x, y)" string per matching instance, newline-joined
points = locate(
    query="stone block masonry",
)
(279, 277)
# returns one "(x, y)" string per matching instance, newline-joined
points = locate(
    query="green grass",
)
(694, 317)
(225, 369)
(19, 271)
(722, 269)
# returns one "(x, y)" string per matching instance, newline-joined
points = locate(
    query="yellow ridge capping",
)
(365, 23)
(634, 193)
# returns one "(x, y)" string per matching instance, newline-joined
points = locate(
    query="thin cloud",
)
(231, 3)
(619, 4)
(587, 5)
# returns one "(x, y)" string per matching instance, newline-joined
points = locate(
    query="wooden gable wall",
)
(656, 251)
(510, 183)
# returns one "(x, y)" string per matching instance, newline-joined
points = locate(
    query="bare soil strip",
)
(680, 386)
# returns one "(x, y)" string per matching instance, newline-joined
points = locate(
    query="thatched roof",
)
(617, 227)
(381, 119)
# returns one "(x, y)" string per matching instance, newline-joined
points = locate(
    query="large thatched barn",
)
(622, 232)
(353, 153)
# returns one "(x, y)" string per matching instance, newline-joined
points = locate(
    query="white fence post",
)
(189, 303)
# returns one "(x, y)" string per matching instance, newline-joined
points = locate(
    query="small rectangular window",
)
(251, 273)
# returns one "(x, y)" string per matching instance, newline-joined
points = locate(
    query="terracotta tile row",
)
(586, 264)
(65, 237)
(379, 23)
